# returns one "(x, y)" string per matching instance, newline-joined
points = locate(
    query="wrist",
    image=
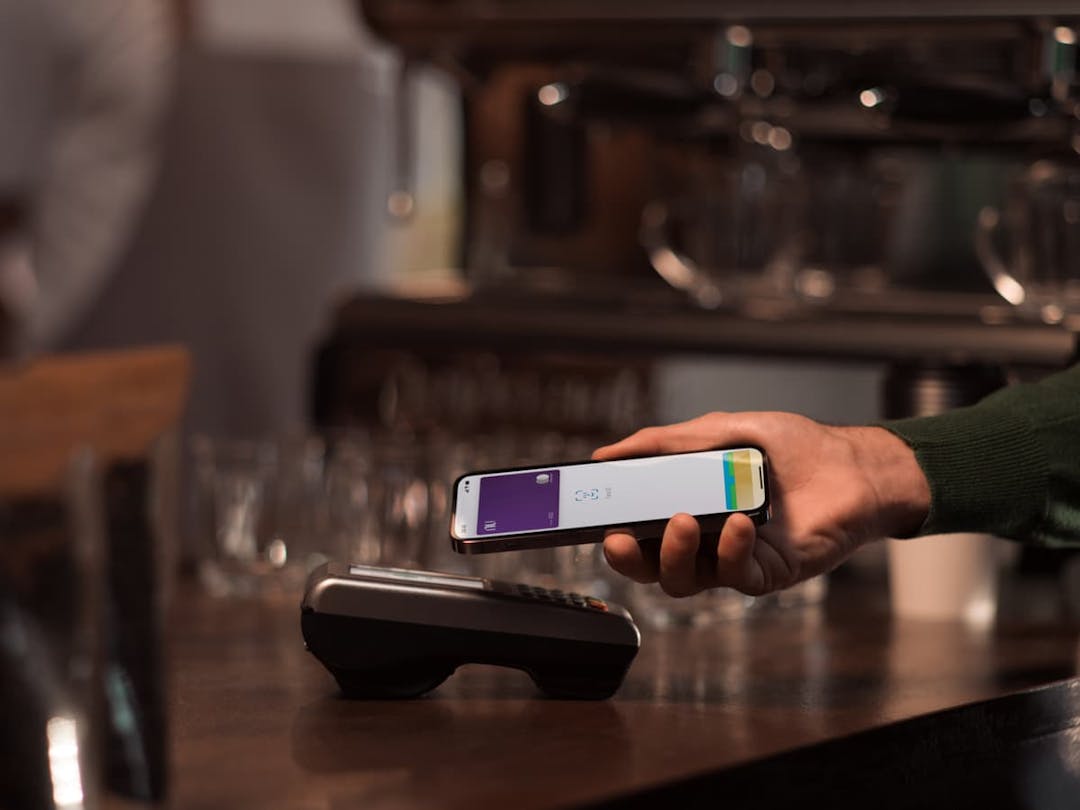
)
(899, 486)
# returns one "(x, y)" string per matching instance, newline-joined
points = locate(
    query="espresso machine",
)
(613, 145)
(776, 178)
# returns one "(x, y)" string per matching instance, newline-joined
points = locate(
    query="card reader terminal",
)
(395, 633)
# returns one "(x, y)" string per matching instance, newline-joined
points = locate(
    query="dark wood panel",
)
(517, 29)
(414, 11)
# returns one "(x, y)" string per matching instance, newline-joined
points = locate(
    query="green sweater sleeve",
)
(1009, 465)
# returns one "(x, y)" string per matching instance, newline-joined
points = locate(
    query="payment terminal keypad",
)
(560, 597)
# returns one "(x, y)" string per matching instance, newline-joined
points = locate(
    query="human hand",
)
(832, 489)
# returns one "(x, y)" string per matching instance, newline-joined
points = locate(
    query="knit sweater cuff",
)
(985, 467)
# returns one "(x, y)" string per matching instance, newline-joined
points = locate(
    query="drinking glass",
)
(448, 458)
(52, 597)
(233, 480)
(656, 609)
(730, 238)
(805, 594)
(582, 569)
(299, 537)
(846, 237)
(1039, 269)
(353, 532)
(400, 500)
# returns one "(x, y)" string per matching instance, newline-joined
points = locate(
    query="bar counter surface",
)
(752, 704)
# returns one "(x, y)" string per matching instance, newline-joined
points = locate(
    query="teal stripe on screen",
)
(729, 482)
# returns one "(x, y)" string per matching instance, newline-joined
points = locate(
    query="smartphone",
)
(558, 505)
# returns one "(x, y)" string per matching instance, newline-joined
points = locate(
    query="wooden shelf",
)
(894, 332)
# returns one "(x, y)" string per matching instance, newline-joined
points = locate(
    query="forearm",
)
(1008, 466)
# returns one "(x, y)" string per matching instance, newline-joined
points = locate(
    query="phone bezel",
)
(643, 530)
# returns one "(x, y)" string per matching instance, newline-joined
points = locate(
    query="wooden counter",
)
(256, 722)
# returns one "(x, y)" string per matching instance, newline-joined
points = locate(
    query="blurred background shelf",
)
(895, 327)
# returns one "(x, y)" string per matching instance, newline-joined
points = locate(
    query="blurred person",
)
(269, 207)
(223, 194)
(1008, 466)
(83, 86)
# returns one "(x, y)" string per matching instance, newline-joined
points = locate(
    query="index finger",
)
(650, 441)
(702, 433)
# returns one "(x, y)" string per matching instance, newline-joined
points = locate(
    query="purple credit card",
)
(518, 502)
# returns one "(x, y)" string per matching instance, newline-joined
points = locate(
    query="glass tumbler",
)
(52, 614)
(400, 504)
(234, 480)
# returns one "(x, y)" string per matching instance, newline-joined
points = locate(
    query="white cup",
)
(946, 577)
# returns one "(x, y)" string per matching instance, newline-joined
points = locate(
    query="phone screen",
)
(608, 493)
